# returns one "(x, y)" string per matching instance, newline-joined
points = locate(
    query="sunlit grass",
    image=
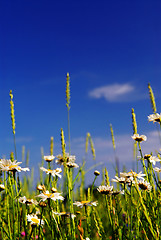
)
(128, 206)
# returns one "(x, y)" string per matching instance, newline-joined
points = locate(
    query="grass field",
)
(128, 206)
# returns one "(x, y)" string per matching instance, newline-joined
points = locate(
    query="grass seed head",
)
(12, 112)
(68, 91)
(152, 99)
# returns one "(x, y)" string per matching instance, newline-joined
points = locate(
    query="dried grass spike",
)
(87, 139)
(152, 98)
(112, 135)
(63, 142)
(51, 146)
(92, 148)
(12, 112)
(68, 91)
(107, 182)
(134, 124)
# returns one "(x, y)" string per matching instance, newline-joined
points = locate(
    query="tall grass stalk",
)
(68, 107)
(134, 125)
(13, 121)
(114, 148)
(153, 104)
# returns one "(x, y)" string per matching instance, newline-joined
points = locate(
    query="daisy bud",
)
(96, 173)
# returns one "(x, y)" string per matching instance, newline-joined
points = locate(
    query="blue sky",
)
(111, 49)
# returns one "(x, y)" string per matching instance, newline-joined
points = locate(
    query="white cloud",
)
(112, 92)
(117, 92)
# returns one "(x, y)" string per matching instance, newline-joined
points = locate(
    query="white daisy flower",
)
(105, 189)
(117, 192)
(154, 159)
(72, 165)
(47, 195)
(132, 175)
(122, 179)
(33, 219)
(156, 169)
(49, 158)
(139, 138)
(144, 185)
(8, 165)
(54, 172)
(27, 201)
(156, 117)
(85, 203)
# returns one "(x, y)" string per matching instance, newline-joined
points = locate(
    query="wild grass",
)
(131, 209)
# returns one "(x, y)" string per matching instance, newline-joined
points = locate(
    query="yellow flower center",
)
(133, 173)
(35, 220)
(49, 195)
(13, 166)
(84, 202)
(49, 170)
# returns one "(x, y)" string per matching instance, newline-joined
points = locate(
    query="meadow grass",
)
(128, 209)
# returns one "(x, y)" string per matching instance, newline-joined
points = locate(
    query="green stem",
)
(131, 211)
(13, 205)
(93, 185)
(25, 223)
(69, 132)
(14, 138)
(146, 214)
(50, 214)
(7, 205)
(40, 224)
(142, 158)
(70, 197)
(31, 233)
(18, 206)
(109, 215)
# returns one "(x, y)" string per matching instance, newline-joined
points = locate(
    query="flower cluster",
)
(132, 178)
